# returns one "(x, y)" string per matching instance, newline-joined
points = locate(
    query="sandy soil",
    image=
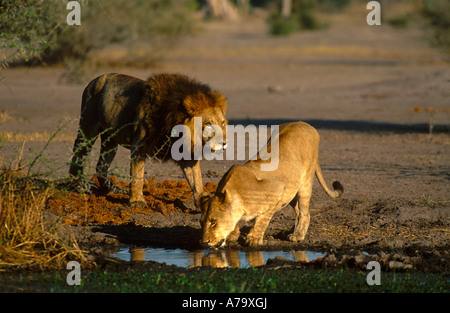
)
(372, 93)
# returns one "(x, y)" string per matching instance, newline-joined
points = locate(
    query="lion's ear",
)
(190, 105)
(220, 101)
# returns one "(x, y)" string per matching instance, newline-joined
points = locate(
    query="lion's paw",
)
(254, 242)
(295, 238)
(138, 204)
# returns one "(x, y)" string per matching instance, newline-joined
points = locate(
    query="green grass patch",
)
(225, 280)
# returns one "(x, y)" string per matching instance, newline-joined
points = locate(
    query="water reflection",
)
(214, 258)
(231, 258)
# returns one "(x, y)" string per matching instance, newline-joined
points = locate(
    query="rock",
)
(275, 89)
(360, 259)
(330, 260)
(398, 265)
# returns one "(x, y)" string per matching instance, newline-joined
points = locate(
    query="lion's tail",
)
(338, 188)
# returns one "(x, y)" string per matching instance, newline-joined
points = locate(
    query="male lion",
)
(140, 116)
(245, 192)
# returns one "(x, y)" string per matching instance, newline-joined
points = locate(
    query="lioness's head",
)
(207, 110)
(218, 219)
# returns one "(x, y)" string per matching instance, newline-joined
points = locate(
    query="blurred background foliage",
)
(300, 17)
(35, 32)
(437, 12)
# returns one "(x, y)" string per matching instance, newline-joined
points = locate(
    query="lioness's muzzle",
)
(207, 244)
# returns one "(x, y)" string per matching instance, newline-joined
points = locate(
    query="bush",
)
(37, 31)
(26, 27)
(333, 5)
(401, 21)
(438, 14)
(281, 26)
(27, 240)
(301, 18)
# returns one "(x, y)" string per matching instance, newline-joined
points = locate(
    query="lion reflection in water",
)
(221, 258)
(230, 258)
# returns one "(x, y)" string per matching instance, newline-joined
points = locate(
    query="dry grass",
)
(5, 116)
(44, 136)
(27, 240)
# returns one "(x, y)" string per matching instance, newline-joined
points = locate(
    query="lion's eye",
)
(213, 223)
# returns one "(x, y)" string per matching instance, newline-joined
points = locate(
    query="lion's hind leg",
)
(302, 218)
(82, 147)
(88, 131)
(108, 150)
(300, 203)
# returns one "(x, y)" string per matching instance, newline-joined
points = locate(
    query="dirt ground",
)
(373, 93)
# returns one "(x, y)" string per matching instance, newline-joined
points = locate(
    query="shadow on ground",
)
(353, 125)
(183, 237)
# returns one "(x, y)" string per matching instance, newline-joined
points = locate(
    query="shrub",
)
(438, 14)
(401, 21)
(301, 18)
(37, 31)
(333, 5)
(26, 239)
(281, 26)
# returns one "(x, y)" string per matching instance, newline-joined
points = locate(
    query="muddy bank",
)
(378, 97)
(399, 234)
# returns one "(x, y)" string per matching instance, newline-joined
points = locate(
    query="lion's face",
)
(207, 120)
(214, 127)
(217, 221)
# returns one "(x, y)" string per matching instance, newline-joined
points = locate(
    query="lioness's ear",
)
(222, 196)
(220, 101)
(204, 197)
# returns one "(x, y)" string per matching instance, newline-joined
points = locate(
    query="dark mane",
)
(170, 100)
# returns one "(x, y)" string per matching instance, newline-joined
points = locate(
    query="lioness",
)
(245, 192)
(140, 115)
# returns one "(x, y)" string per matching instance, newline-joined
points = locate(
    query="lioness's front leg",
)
(193, 173)
(234, 235)
(137, 182)
(256, 234)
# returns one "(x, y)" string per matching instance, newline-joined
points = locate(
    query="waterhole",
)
(208, 257)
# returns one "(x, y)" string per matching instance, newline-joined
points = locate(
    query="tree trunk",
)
(286, 8)
(222, 9)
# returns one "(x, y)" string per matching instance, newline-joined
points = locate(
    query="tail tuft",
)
(337, 186)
